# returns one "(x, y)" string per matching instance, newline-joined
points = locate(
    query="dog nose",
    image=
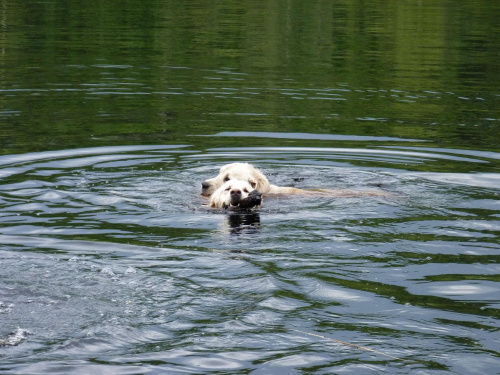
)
(235, 192)
(205, 185)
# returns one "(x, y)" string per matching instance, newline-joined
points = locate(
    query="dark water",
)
(113, 113)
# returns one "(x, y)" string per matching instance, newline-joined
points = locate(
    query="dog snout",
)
(205, 188)
(235, 196)
(235, 192)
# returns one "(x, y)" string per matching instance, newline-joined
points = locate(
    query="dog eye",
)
(253, 184)
(229, 188)
(226, 179)
(245, 190)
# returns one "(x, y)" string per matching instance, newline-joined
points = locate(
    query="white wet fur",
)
(245, 172)
(230, 194)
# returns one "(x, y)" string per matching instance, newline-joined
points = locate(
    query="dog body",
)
(245, 174)
(235, 193)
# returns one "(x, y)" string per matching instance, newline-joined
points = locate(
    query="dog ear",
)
(261, 183)
(258, 181)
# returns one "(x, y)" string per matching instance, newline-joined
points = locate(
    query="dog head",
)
(236, 171)
(233, 193)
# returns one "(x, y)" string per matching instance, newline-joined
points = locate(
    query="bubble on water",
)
(130, 270)
(15, 338)
(73, 259)
(107, 271)
(4, 308)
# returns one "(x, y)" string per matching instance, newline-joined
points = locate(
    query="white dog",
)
(235, 193)
(244, 172)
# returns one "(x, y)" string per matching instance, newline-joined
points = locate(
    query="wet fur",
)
(244, 172)
(230, 194)
(248, 173)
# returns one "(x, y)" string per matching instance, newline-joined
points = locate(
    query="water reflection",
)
(127, 225)
(243, 222)
(304, 136)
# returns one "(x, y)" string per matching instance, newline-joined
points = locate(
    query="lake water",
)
(113, 113)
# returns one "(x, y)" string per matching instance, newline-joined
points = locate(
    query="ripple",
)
(30, 157)
(14, 338)
(309, 136)
(108, 253)
(466, 291)
(486, 180)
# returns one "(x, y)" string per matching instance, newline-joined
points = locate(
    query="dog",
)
(247, 173)
(236, 194)
(244, 172)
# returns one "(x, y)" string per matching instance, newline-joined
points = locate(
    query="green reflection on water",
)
(129, 72)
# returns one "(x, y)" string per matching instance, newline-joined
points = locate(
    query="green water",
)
(127, 72)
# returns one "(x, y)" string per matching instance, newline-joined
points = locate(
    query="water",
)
(112, 115)
(109, 259)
